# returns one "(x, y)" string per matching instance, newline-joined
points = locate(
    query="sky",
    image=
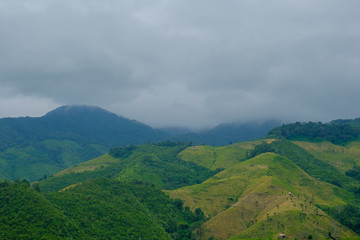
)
(182, 62)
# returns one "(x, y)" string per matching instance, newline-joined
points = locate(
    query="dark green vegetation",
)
(96, 209)
(154, 163)
(354, 173)
(348, 215)
(335, 133)
(352, 122)
(33, 147)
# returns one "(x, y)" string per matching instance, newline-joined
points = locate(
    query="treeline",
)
(348, 215)
(316, 132)
(96, 209)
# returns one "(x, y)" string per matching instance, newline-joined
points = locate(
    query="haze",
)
(180, 62)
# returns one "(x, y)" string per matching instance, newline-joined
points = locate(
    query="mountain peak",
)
(77, 109)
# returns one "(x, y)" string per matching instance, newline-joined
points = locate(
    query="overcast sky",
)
(190, 63)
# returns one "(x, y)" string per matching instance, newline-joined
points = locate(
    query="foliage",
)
(26, 214)
(123, 151)
(96, 209)
(354, 173)
(149, 163)
(259, 149)
(335, 133)
(348, 215)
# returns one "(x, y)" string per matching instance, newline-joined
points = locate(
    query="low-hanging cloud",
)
(188, 63)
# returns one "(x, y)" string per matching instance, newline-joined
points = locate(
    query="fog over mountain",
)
(182, 63)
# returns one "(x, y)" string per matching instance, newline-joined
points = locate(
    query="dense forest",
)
(336, 133)
(96, 209)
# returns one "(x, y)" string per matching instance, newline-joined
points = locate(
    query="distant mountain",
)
(33, 146)
(228, 133)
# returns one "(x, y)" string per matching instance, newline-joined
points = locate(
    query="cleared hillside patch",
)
(246, 195)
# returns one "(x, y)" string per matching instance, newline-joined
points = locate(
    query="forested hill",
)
(83, 124)
(338, 132)
(96, 209)
(31, 147)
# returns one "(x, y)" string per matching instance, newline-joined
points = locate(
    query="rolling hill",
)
(158, 164)
(262, 197)
(248, 198)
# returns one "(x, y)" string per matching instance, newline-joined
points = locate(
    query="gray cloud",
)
(181, 62)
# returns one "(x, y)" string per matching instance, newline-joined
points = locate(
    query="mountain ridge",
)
(32, 147)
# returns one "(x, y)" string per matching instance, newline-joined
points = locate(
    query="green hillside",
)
(246, 190)
(252, 199)
(342, 157)
(259, 185)
(31, 147)
(158, 164)
(219, 157)
(97, 209)
(316, 168)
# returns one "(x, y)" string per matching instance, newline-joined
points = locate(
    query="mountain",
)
(31, 147)
(228, 133)
(36, 147)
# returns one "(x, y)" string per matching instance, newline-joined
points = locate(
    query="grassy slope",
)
(219, 157)
(243, 198)
(342, 157)
(158, 165)
(91, 165)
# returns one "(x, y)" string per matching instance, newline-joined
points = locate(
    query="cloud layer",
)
(182, 62)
